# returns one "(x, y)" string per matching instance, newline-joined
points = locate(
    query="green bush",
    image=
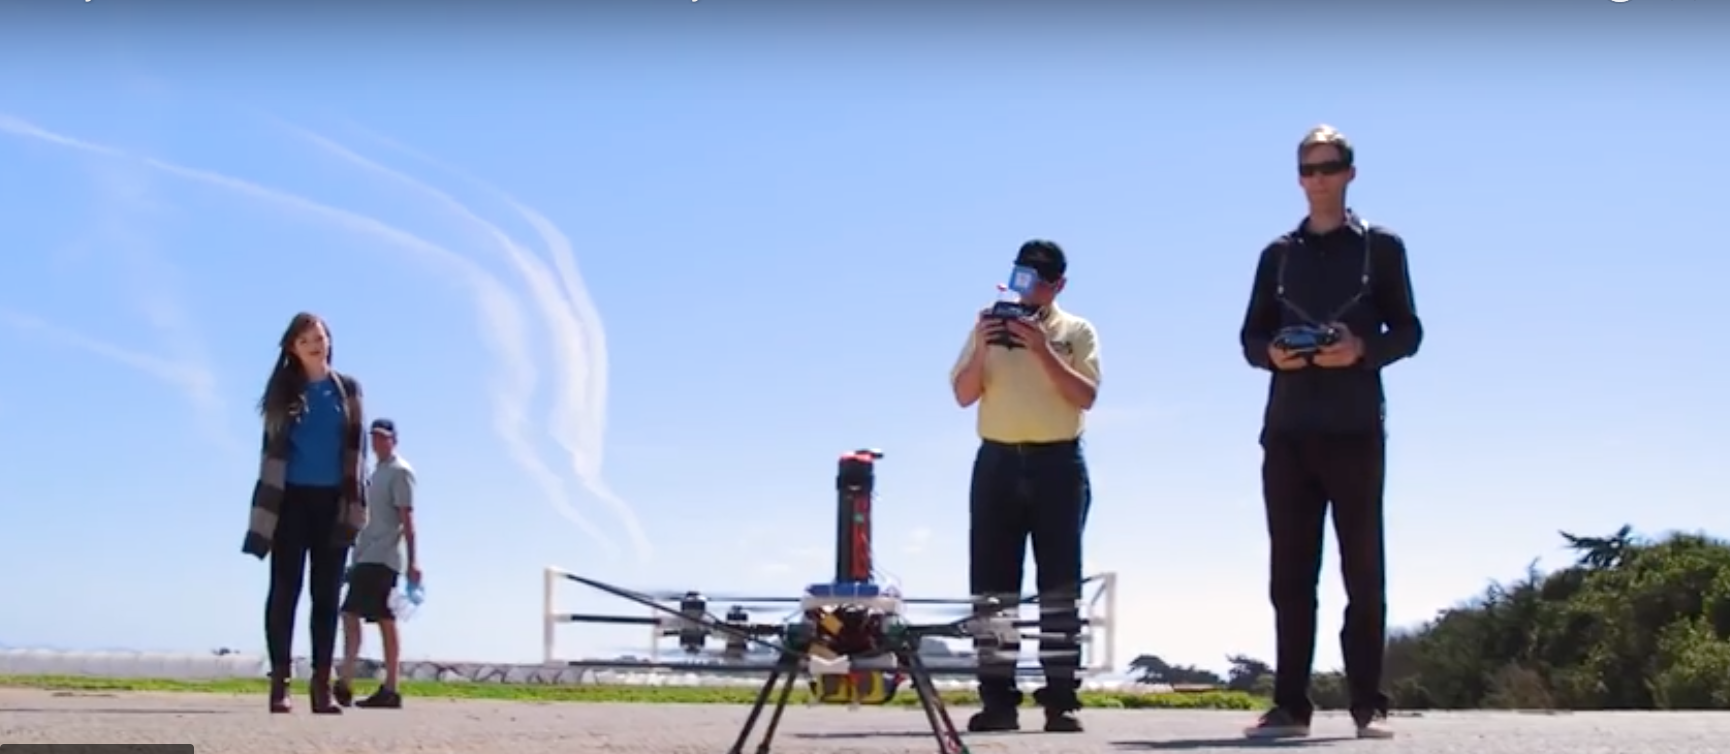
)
(1693, 668)
(1633, 624)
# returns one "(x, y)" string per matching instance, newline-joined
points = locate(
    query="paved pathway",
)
(240, 725)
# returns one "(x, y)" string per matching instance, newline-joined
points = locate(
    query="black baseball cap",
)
(384, 427)
(1044, 257)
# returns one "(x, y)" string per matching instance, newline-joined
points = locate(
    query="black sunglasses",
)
(1331, 167)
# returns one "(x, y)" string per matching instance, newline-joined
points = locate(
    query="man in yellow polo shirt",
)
(1033, 379)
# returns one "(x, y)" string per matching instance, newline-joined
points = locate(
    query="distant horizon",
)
(936, 661)
(1125, 654)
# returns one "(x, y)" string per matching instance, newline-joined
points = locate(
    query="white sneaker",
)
(1373, 726)
(1277, 724)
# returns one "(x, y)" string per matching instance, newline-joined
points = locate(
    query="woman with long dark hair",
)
(308, 503)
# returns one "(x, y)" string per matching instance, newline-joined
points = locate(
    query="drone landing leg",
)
(936, 712)
(788, 666)
(775, 717)
(756, 710)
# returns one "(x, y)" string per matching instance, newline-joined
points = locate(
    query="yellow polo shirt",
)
(1020, 403)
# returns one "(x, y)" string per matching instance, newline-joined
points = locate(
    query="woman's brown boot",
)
(322, 702)
(279, 693)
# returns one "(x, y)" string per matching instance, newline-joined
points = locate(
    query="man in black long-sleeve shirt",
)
(1323, 438)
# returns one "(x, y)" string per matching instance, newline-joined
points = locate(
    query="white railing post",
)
(1111, 622)
(1101, 656)
(549, 579)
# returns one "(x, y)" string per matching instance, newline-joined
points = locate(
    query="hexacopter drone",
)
(851, 636)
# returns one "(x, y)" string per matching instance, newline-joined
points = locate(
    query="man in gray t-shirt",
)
(378, 560)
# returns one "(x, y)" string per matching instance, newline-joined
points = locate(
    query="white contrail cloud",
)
(126, 194)
(500, 316)
(193, 379)
(153, 292)
(579, 415)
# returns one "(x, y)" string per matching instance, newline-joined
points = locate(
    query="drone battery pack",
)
(854, 688)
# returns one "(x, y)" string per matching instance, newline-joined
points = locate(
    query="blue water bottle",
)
(404, 601)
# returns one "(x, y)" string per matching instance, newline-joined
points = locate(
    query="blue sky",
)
(630, 281)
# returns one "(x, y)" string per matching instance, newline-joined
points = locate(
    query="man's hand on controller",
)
(1345, 352)
(1029, 334)
(988, 327)
(1284, 360)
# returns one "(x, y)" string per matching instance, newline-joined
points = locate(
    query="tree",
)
(1631, 625)
(1598, 553)
(1634, 623)
(1249, 675)
(1152, 670)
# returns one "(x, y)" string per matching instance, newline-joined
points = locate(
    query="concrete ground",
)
(240, 725)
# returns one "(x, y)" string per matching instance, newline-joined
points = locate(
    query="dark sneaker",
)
(342, 693)
(382, 699)
(994, 720)
(1279, 723)
(1062, 721)
(1372, 724)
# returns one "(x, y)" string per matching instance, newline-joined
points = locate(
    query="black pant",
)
(1301, 476)
(1038, 490)
(305, 530)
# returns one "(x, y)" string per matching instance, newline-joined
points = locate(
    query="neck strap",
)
(1297, 238)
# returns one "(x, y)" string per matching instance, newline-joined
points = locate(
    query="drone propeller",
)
(716, 661)
(749, 666)
(993, 607)
(1010, 655)
(1004, 633)
(702, 655)
(672, 595)
(706, 620)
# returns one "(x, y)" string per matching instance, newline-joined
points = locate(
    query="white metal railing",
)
(1098, 637)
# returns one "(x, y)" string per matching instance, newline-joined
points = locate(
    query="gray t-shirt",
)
(389, 492)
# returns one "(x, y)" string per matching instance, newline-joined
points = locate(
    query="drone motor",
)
(994, 633)
(736, 646)
(692, 635)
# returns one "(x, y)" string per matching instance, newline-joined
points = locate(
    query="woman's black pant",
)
(1036, 491)
(1302, 477)
(306, 531)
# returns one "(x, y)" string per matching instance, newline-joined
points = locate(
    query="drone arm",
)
(617, 620)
